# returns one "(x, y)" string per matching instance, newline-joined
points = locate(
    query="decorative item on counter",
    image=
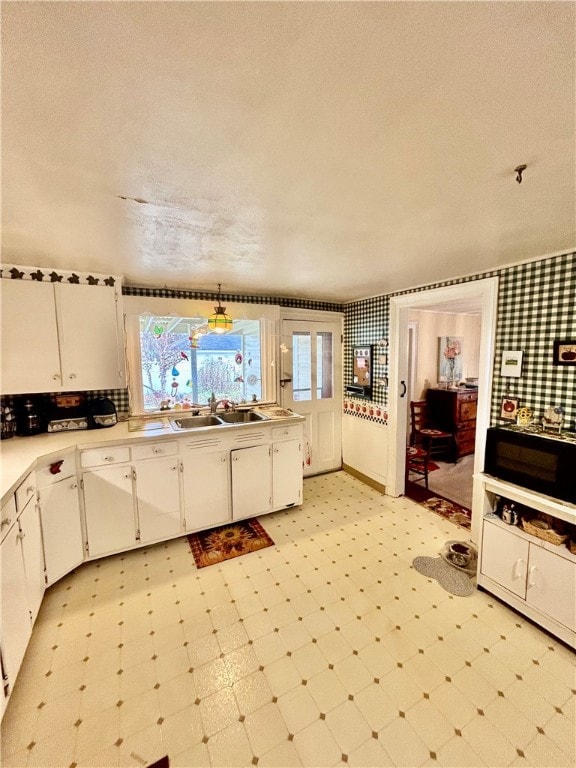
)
(509, 514)
(545, 528)
(29, 422)
(524, 416)
(509, 407)
(553, 419)
(8, 423)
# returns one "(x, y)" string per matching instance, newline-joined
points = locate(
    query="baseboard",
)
(364, 478)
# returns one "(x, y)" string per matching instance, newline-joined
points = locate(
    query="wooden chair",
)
(417, 460)
(435, 442)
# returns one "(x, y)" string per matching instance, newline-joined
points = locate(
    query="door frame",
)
(483, 292)
(290, 314)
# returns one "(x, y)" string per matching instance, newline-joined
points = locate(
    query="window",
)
(178, 361)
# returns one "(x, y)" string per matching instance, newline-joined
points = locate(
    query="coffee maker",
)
(28, 420)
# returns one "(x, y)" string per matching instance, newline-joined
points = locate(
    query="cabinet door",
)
(31, 538)
(158, 498)
(16, 622)
(551, 585)
(90, 337)
(109, 505)
(206, 489)
(251, 481)
(61, 528)
(30, 355)
(504, 558)
(286, 474)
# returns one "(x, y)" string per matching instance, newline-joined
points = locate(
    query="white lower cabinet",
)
(505, 558)
(551, 585)
(110, 510)
(251, 481)
(61, 528)
(158, 498)
(16, 620)
(286, 474)
(206, 488)
(33, 555)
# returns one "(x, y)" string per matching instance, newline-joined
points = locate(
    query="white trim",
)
(314, 315)
(486, 292)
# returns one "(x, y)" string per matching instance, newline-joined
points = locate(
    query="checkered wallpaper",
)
(536, 304)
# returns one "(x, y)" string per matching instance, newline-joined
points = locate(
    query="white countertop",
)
(20, 454)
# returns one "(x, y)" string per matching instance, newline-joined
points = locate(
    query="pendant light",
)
(219, 322)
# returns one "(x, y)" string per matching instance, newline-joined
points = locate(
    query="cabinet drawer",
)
(99, 456)
(55, 470)
(468, 410)
(26, 491)
(7, 516)
(151, 450)
(284, 433)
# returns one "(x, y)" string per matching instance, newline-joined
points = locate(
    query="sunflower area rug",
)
(448, 509)
(228, 541)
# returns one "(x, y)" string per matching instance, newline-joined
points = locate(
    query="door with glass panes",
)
(311, 385)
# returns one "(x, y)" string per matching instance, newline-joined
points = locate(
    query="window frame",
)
(135, 306)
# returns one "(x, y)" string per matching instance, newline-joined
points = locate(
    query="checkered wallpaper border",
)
(536, 304)
(168, 293)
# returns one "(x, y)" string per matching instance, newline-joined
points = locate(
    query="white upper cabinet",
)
(91, 345)
(61, 337)
(30, 352)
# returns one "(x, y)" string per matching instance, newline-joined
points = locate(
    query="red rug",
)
(228, 541)
(448, 509)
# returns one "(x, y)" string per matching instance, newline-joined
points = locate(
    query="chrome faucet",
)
(213, 403)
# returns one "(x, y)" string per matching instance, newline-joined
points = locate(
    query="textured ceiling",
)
(332, 150)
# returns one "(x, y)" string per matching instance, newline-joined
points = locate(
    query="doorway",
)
(456, 298)
(449, 407)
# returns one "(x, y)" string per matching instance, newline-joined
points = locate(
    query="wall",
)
(432, 325)
(536, 303)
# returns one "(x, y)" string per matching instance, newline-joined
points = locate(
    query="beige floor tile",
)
(142, 748)
(99, 695)
(348, 726)
(282, 675)
(176, 694)
(334, 646)
(218, 711)
(269, 648)
(139, 713)
(266, 729)
(137, 679)
(97, 732)
(230, 747)
(57, 715)
(309, 660)
(282, 756)
(430, 724)
(535, 708)
(316, 745)
(561, 729)
(401, 689)
(252, 692)
(403, 744)
(182, 730)
(489, 742)
(211, 677)
(295, 635)
(369, 755)
(457, 753)
(353, 674)
(376, 706)
(298, 708)
(194, 757)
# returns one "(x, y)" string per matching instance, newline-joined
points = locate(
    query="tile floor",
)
(327, 649)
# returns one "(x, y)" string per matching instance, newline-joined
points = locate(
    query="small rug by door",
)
(448, 509)
(228, 541)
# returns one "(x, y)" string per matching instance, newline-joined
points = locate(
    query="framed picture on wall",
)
(509, 408)
(564, 352)
(512, 364)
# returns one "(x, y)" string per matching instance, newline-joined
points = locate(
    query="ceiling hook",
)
(519, 171)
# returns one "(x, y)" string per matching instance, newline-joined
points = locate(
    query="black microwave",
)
(538, 461)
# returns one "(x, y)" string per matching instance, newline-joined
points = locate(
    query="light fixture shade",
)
(219, 322)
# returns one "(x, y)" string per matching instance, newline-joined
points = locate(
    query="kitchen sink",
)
(240, 417)
(193, 422)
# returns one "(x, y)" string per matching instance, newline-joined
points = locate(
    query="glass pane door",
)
(302, 366)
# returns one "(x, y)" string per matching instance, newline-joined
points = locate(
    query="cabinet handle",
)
(72, 376)
(517, 569)
(29, 490)
(108, 458)
(20, 535)
(157, 450)
(223, 459)
(56, 377)
(128, 476)
(74, 486)
(6, 521)
(174, 468)
(531, 579)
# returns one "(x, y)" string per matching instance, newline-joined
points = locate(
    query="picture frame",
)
(450, 367)
(509, 407)
(512, 363)
(564, 352)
